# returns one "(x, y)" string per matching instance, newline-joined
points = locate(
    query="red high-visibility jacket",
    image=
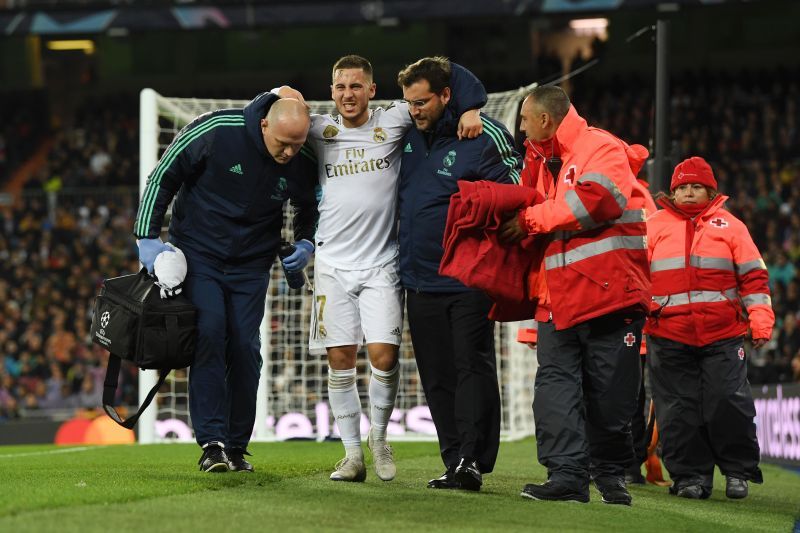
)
(705, 274)
(594, 212)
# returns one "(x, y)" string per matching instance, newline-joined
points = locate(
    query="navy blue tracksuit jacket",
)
(432, 164)
(230, 191)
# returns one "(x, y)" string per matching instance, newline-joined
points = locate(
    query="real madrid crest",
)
(450, 159)
(379, 136)
(329, 132)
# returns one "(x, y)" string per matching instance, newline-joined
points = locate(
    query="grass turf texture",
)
(158, 488)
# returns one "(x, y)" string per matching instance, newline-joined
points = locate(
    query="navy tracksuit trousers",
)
(454, 347)
(223, 380)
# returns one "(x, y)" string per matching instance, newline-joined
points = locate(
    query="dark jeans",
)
(223, 380)
(704, 410)
(454, 347)
(586, 392)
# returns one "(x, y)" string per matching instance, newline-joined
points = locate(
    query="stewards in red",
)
(599, 290)
(709, 288)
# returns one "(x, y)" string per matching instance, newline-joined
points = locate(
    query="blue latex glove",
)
(301, 256)
(149, 250)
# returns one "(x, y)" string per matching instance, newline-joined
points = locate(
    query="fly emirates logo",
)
(356, 163)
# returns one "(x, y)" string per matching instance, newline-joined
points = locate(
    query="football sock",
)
(346, 408)
(383, 385)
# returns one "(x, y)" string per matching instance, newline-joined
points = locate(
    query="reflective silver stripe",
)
(608, 184)
(578, 209)
(595, 248)
(756, 298)
(707, 297)
(744, 268)
(629, 216)
(667, 264)
(720, 263)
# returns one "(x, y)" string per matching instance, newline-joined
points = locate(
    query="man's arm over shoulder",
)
(184, 160)
(467, 92)
(304, 196)
(499, 161)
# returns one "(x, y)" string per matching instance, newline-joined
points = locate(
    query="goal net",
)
(292, 395)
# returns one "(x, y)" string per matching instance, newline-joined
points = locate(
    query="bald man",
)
(232, 170)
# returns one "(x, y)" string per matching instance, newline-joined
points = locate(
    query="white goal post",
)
(292, 394)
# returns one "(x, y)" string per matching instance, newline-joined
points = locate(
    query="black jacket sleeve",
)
(467, 92)
(184, 160)
(303, 197)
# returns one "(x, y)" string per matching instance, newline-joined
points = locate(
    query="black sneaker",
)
(553, 491)
(213, 458)
(445, 481)
(613, 491)
(468, 475)
(237, 462)
(735, 488)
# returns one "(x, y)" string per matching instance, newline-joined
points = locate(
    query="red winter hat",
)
(693, 170)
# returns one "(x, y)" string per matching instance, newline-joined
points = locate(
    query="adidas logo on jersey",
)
(396, 332)
(408, 149)
(236, 169)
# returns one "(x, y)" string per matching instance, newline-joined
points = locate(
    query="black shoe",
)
(553, 491)
(692, 492)
(468, 475)
(213, 458)
(735, 488)
(613, 490)
(633, 476)
(237, 462)
(445, 481)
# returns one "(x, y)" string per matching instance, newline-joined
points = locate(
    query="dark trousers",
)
(585, 395)
(223, 380)
(454, 347)
(639, 421)
(704, 410)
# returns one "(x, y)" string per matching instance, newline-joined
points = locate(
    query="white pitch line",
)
(51, 452)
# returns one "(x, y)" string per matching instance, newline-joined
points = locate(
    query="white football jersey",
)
(358, 174)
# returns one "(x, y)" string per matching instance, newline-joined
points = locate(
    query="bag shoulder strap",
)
(110, 390)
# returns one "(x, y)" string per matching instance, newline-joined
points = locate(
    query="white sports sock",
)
(383, 387)
(346, 408)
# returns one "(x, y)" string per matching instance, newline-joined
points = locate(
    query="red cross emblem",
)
(629, 339)
(569, 176)
(740, 353)
(719, 222)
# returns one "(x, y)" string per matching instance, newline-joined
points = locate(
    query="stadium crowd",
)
(57, 247)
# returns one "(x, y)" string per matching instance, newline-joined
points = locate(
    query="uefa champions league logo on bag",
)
(105, 318)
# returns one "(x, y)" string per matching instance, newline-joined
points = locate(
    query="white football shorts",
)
(354, 306)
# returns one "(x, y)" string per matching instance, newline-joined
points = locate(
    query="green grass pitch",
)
(158, 488)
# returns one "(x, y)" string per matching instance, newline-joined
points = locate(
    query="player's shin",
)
(346, 408)
(383, 387)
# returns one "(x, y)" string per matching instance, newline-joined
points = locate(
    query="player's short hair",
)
(436, 70)
(352, 61)
(553, 99)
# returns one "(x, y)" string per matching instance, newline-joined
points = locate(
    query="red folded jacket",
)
(474, 256)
